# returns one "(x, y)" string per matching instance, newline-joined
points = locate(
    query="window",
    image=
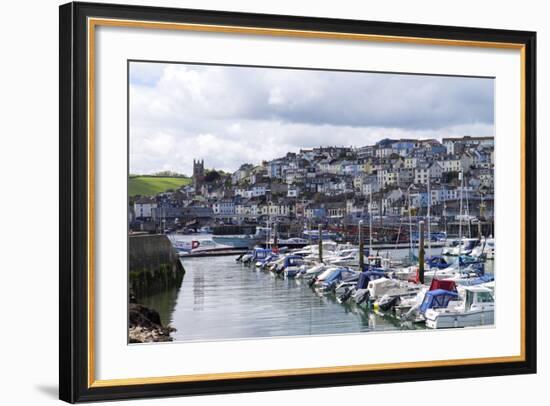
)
(485, 297)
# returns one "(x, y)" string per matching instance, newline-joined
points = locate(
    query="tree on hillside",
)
(212, 176)
(169, 174)
(451, 178)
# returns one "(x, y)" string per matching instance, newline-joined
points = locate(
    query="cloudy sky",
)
(232, 115)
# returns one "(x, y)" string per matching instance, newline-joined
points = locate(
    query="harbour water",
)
(221, 299)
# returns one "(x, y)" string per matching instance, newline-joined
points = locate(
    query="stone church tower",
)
(198, 175)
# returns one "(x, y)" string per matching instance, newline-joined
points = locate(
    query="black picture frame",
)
(74, 200)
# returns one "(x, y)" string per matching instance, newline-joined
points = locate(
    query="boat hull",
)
(241, 242)
(454, 320)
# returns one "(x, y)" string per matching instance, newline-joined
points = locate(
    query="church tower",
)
(198, 175)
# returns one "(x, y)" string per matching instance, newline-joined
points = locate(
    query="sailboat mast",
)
(460, 216)
(268, 234)
(428, 215)
(445, 211)
(370, 223)
(468, 215)
(410, 221)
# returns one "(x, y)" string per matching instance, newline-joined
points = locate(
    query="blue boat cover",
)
(367, 276)
(436, 299)
(293, 260)
(477, 281)
(437, 261)
(261, 253)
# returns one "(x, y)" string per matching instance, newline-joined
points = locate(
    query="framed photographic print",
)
(257, 202)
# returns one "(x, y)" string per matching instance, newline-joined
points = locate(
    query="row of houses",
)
(395, 202)
(393, 176)
(336, 170)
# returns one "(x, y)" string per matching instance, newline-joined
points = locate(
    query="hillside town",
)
(335, 186)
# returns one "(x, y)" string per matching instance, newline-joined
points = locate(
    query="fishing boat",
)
(476, 309)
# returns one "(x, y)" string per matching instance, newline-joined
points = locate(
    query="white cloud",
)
(231, 115)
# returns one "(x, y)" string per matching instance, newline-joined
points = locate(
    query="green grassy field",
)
(151, 185)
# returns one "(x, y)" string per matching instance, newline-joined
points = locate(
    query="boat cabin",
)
(379, 262)
(437, 299)
(478, 297)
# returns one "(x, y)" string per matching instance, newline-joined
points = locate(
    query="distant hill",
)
(151, 185)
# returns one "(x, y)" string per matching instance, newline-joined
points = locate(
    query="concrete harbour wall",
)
(154, 265)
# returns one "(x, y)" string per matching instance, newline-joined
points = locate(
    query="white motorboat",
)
(408, 307)
(465, 247)
(345, 257)
(476, 309)
(312, 271)
(391, 287)
(312, 251)
(197, 246)
(450, 246)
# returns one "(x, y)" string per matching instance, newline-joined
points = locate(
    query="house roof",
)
(145, 200)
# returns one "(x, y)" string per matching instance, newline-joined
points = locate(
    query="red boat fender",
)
(195, 244)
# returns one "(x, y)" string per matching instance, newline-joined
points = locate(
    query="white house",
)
(143, 207)
(293, 191)
(225, 207)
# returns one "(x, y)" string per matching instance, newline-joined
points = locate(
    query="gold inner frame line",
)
(94, 22)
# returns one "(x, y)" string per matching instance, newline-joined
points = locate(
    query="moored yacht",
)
(476, 309)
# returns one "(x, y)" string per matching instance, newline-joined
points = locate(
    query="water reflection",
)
(222, 299)
(164, 303)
